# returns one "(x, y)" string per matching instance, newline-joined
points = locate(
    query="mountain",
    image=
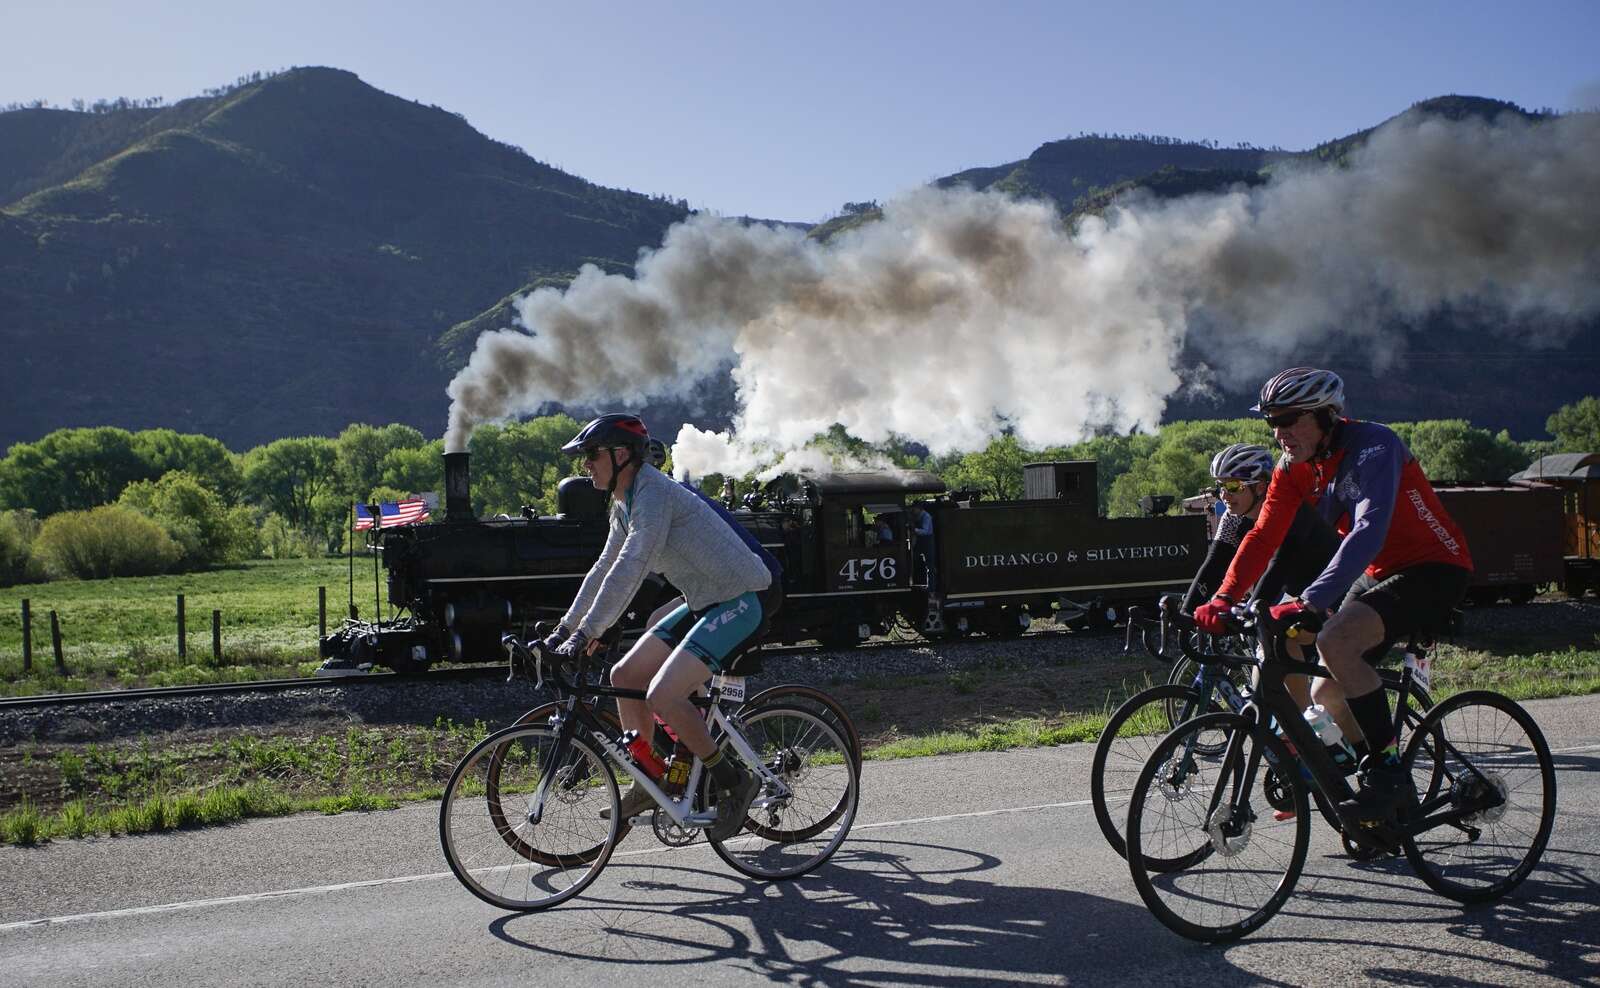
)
(303, 251)
(284, 258)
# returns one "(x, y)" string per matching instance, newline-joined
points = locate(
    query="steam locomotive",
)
(852, 565)
(853, 569)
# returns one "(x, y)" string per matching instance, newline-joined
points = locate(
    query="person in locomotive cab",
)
(922, 541)
(657, 526)
(1401, 566)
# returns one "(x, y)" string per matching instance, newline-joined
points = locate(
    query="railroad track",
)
(451, 675)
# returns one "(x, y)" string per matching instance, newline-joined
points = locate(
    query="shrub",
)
(18, 529)
(111, 540)
(195, 517)
(281, 540)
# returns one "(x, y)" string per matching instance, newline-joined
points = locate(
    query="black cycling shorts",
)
(1413, 603)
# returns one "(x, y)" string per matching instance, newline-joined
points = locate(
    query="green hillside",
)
(282, 259)
(303, 251)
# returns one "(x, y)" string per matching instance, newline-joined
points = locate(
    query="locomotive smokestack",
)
(457, 488)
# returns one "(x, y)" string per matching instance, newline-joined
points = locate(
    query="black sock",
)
(724, 771)
(1371, 711)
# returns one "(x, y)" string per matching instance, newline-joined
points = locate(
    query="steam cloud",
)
(963, 313)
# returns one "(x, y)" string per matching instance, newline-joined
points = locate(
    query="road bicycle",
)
(1485, 799)
(1193, 688)
(530, 816)
(745, 664)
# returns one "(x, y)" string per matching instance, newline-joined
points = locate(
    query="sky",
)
(787, 111)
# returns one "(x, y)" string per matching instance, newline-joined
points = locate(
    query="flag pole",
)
(377, 525)
(350, 551)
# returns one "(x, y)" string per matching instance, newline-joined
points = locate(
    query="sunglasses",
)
(594, 454)
(1285, 419)
(1232, 486)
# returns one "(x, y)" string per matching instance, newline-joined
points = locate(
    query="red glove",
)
(1212, 618)
(1297, 612)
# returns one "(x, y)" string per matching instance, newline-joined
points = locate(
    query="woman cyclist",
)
(658, 526)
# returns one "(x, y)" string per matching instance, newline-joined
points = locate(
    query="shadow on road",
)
(942, 924)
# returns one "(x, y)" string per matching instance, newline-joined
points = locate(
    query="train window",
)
(855, 528)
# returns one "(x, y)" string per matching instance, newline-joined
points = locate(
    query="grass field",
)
(124, 632)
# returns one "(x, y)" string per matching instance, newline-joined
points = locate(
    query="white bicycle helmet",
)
(1243, 461)
(1302, 388)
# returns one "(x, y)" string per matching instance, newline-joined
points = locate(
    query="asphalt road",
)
(970, 869)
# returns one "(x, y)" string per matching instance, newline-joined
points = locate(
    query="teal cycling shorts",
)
(713, 633)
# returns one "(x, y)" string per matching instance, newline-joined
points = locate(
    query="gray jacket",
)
(662, 527)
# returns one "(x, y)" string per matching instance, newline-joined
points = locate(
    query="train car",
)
(1514, 535)
(1577, 477)
(1001, 564)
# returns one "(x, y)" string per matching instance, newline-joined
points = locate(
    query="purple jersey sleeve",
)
(1366, 491)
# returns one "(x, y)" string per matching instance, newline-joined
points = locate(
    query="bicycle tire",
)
(810, 696)
(1480, 753)
(1225, 814)
(541, 714)
(1118, 758)
(805, 747)
(493, 847)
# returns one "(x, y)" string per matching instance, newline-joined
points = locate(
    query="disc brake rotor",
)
(1227, 837)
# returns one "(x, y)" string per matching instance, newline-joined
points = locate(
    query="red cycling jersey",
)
(1371, 488)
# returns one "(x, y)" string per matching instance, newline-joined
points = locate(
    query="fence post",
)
(27, 635)
(322, 613)
(183, 644)
(55, 643)
(216, 637)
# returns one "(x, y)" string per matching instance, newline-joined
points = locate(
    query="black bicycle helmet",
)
(615, 430)
(618, 430)
(658, 453)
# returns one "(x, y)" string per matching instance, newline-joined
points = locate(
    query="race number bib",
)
(1421, 667)
(733, 688)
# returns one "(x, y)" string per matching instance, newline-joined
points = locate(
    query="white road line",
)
(171, 907)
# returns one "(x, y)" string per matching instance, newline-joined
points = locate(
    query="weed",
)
(22, 825)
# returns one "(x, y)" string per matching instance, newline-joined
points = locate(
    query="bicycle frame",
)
(1272, 698)
(578, 715)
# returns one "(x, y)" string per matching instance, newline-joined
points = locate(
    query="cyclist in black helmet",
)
(657, 526)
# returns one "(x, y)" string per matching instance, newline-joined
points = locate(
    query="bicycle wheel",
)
(1254, 859)
(541, 715)
(1130, 734)
(789, 833)
(1498, 772)
(490, 839)
(818, 702)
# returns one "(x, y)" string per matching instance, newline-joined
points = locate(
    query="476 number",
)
(868, 570)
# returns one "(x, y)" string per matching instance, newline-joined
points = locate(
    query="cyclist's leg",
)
(635, 671)
(678, 678)
(720, 631)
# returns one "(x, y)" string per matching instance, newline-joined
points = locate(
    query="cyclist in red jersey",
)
(1401, 567)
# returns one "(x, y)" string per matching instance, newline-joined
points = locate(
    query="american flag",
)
(393, 514)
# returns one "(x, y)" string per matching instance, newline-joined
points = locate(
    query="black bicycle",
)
(1193, 688)
(1485, 801)
(530, 816)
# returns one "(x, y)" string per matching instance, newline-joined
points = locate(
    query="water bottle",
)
(643, 754)
(1331, 736)
(677, 778)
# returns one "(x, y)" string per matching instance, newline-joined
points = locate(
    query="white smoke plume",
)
(961, 314)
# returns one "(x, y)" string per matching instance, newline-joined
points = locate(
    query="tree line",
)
(104, 501)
